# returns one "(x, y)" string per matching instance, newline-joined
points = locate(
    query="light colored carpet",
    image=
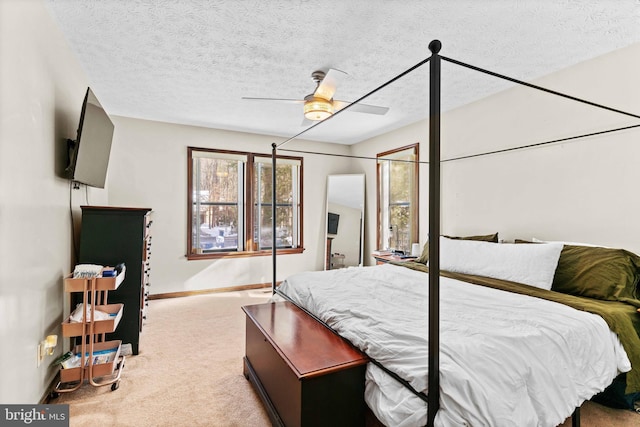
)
(189, 373)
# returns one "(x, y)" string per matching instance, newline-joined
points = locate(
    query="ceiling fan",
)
(320, 104)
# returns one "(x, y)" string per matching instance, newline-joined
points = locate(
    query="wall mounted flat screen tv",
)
(332, 223)
(89, 153)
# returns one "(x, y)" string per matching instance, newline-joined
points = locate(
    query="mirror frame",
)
(358, 185)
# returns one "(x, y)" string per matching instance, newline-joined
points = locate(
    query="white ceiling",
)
(191, 61)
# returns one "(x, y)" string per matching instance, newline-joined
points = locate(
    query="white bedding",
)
(505, 359)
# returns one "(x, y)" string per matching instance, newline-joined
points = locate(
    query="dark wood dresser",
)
(113, 235)
(304, 373)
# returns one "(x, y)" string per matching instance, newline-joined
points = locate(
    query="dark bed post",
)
(575, 418)
(434, 233)
(273, 217)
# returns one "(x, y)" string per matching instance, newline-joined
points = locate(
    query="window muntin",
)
(230, 203)
(398, 198)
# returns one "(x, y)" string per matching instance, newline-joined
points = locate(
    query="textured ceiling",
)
(192, 61)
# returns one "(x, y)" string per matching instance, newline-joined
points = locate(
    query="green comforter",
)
(622, 317)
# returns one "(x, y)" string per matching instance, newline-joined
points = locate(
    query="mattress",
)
(506, 359)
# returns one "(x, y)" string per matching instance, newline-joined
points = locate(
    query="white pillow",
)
(532, 265)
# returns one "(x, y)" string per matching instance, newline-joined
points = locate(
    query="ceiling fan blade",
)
(361, 108)
(295, 101)
(329, 83)
(306, 122)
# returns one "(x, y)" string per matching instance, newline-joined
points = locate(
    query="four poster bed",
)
(518, 334)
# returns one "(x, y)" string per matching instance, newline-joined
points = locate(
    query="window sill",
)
(246, 254)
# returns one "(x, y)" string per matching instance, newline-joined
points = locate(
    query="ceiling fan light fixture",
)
(317, 109)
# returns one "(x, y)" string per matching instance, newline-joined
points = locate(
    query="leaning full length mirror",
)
(345, 221)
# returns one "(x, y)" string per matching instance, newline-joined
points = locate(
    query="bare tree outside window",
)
(230, 203)
(398, 198)
(285, 211)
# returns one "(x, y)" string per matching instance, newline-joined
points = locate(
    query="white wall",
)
(149, 169)
(575, 191)
(582, 191)
(42, 87)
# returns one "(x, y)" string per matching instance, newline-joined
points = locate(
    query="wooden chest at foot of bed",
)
(304, 373)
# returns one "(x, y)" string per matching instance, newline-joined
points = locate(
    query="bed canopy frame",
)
(435, 61)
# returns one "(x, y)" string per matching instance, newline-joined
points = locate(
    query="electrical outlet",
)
(46, 347)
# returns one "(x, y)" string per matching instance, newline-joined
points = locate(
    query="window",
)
(230, 204)
(398, 198)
